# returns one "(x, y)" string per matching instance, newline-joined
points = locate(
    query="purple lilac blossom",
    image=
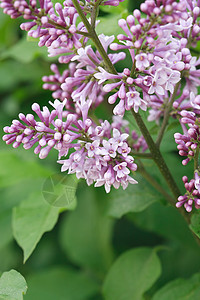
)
(158, 44)
(56, 27)
(191, 197)
(159, 52)
(100, 158)
(83, 82)
(189, 141)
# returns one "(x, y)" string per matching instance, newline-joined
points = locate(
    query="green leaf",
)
(180, 289)
(60, 283)
(12, 286)
(195, 223)
(109, 25)
(15, 168)
(132, 274)
(31, 219)
(173, 125)
(16, 182)
(60, 190)
(86, 232)
(119, 10)
(135, 198)
(156, 219)
(24, 51)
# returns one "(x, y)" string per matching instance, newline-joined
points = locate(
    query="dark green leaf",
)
(156, 219)
(132, 274)
(86, 232)
(135, 198)
(60, 284)
(195, 223)
(180, 289)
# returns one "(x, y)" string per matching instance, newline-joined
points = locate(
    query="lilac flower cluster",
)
(188, 145)
(189, 142)
(79, 84)
(192, 195)
(83, 82)
(101, 153)
(160, 56)
(163, 77)
(55, 26)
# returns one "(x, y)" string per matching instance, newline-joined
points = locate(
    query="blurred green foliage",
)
(97, 251)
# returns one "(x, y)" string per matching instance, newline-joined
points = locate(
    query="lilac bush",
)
(162, 80)
(148, 73)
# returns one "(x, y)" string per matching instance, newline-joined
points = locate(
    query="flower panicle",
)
(100, 154)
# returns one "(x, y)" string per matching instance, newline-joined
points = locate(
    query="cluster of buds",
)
(192, 195)
(189, 142)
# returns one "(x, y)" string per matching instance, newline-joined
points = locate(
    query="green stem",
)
(98, 3)
(167, 115)
(86, 34)
(160, 162)
(95, 38)
(157, 157)
(95, 12)
(141, 155)
(196, 159)
(154, 149)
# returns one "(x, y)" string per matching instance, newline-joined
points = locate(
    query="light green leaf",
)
(15, 172)
(180, 289)
(195, 223)
(109, 26)
(60, 190)
(119, 10)
(19, 176)
(135, 198)
(60, 284)
(12, 286)
(15, 168)
(31, 219)
(86, 232)
(24, 51)
(132, 274)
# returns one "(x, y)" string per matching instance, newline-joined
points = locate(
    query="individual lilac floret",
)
(197, 181)
(195, 101)
(191, 197)
(189, 142)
